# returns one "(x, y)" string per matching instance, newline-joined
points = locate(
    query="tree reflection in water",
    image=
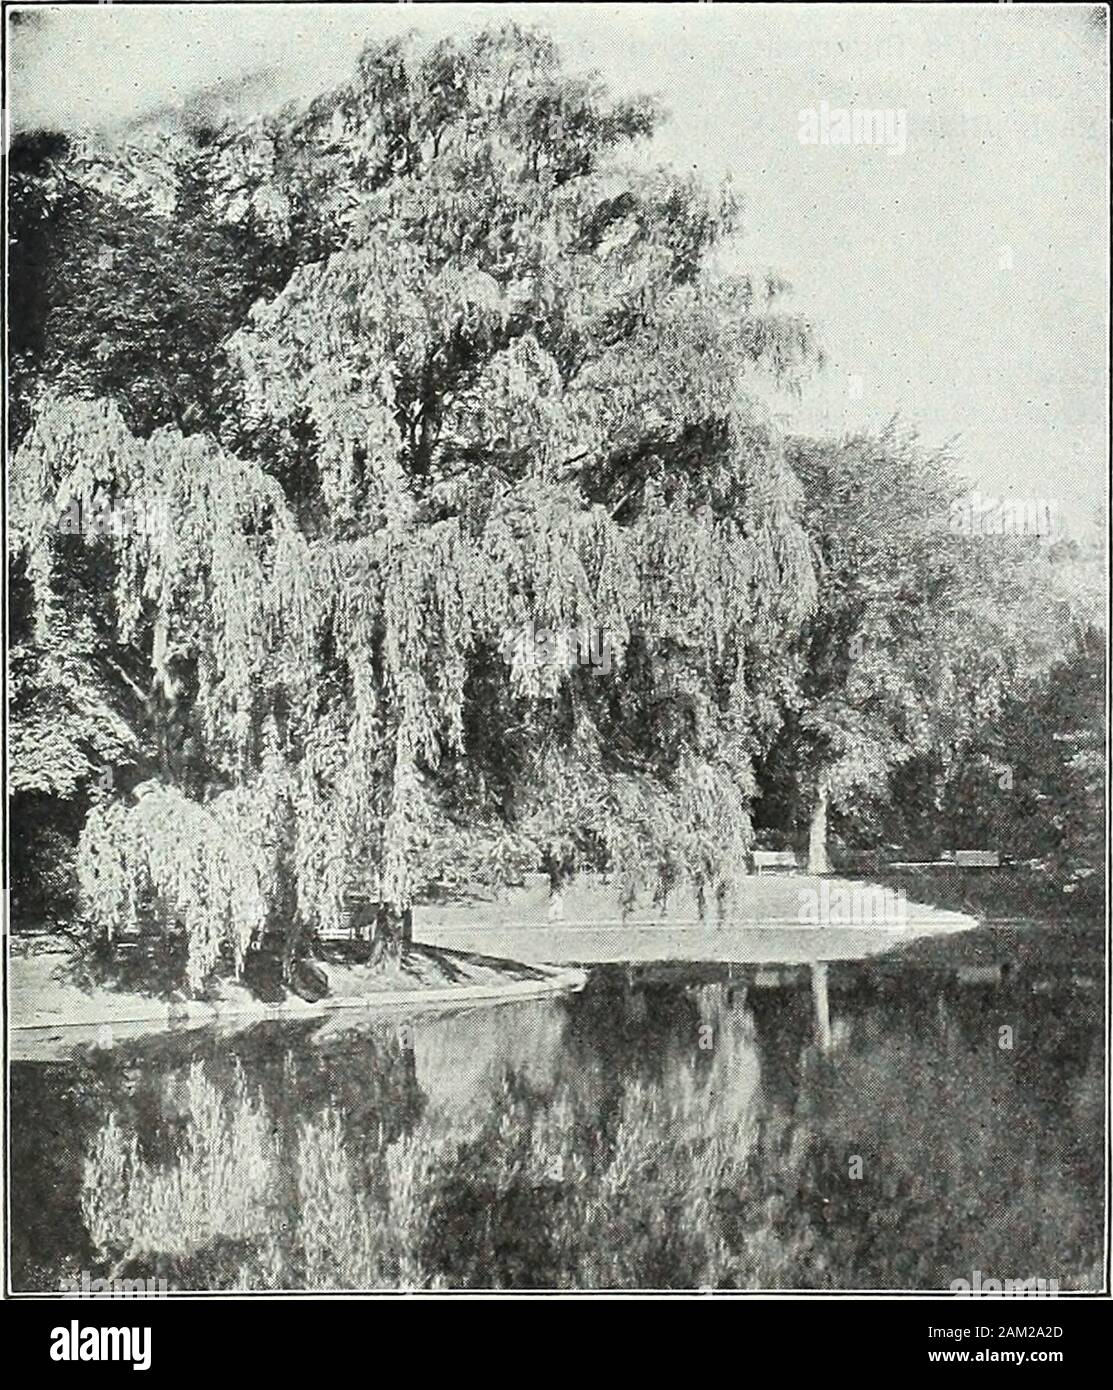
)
(221, 1187)
(696, 1138)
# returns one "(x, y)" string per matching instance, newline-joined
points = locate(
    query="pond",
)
(868, 1126)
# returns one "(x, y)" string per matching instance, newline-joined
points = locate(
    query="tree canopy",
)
(918, 682)
(392, 504)
(490, 384)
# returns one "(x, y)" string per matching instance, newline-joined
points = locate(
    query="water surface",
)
(887, 1126)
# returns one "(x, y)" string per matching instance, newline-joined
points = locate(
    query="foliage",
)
(121, 285)
(923, 664)
(1032, 782)
(195, 860)
(501, 390)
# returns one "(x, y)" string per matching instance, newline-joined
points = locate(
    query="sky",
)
(952, 254)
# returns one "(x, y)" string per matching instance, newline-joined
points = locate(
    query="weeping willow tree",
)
(501, 399)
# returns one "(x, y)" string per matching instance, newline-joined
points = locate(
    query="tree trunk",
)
(558, 875)
(818, 862)
(821, 1006)
(162, 701)
(393, 934)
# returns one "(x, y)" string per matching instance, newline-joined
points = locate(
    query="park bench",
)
(977, 859)
(782, 860)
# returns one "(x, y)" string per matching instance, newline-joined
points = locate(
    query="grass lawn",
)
(770, 918)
